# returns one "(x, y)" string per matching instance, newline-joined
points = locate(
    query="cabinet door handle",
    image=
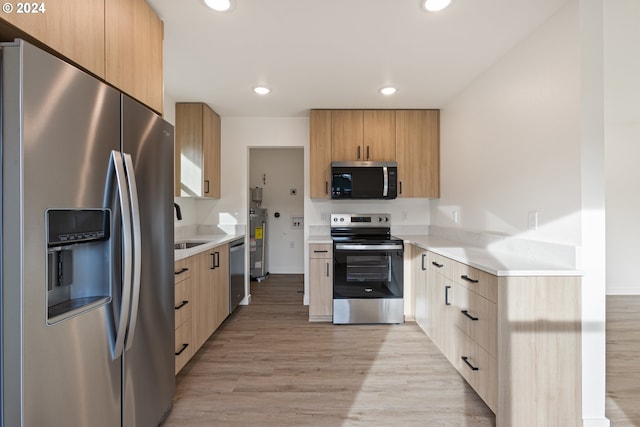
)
(437, 265)
(446, 295)
(216, 258)
(358, 158)
(206, 186)
(367, 152)
(400, 187)
(184, 347)
(315, 251)
(465, 359)
(213, 260)
(422, 262)
(326, 187)
(182, 270)
(182, 304)
(466, 313)
(468, 279)
(327, 269)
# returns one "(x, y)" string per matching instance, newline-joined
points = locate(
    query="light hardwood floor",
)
(623, 360)
(268, 366)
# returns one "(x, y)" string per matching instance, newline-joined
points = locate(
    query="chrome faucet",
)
(178, 211)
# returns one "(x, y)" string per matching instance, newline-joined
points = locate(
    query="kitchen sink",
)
(187, 245)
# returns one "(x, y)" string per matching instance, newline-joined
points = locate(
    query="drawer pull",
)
(422, 262)
(437, 265)
(184, 347)
(446, 295)
(468, 279)
(315, 251)
(466, 313)
(465, 359)
(182, 270)
(181, 305)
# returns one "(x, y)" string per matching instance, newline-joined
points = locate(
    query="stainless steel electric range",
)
(367, 270)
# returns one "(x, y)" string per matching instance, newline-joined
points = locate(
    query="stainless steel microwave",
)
(364, 180)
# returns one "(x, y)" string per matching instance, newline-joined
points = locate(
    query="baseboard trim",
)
(596, 422)
(622, 291)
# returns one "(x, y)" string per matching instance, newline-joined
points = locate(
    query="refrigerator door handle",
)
(137, 250)
(125, 306)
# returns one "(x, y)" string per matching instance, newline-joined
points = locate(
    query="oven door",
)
(363, 270)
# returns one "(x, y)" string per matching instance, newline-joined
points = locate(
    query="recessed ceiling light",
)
(435, 5)
(261, 90)
(219, 5)
(388, 90)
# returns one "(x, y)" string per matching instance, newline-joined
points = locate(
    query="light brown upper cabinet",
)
(74, 28)
(119, 41)
(197, 151)
(320, 153)
(133, 50)
(410, 137)
(379, 135)
(363, 135)
(418, 153)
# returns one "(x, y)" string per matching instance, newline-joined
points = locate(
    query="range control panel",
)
(360, 220)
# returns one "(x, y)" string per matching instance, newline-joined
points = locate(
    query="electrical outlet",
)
(297, 222)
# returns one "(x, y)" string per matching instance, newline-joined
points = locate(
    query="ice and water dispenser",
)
(78, 261)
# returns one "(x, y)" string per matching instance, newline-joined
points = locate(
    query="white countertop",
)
(325, 238)
(498, 263)
(212, 240)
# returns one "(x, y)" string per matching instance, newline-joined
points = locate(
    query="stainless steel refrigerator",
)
(86, 267)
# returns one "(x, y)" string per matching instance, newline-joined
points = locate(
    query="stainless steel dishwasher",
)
(236, 273)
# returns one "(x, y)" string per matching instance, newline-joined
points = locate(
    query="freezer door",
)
(149, 359)
(59, 126)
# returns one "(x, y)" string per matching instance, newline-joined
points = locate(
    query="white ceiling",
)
(335, 53)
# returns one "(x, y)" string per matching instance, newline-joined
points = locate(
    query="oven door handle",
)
(365, 247)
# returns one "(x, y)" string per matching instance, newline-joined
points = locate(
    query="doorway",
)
(279, 173)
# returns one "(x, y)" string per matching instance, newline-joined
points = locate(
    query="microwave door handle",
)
(385, 181)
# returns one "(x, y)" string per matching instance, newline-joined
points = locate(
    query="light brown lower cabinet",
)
(321, 282)
(201, 300)
(183, 304)
(515, 339)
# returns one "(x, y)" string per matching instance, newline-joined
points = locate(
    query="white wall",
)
(622, 144)
(277, 171)
(526, 137)
(510, 143)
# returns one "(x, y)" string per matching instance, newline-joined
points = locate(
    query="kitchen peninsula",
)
(511, 325)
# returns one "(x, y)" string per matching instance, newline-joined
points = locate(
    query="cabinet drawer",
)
(183, 302)
(478, 281)
(478, 368)
(183, 345)
(183, 269)
(477, 317)
(321, 250)
(441, 265)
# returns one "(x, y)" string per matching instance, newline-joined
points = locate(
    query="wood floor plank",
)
(268, 365)
(623, 360)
